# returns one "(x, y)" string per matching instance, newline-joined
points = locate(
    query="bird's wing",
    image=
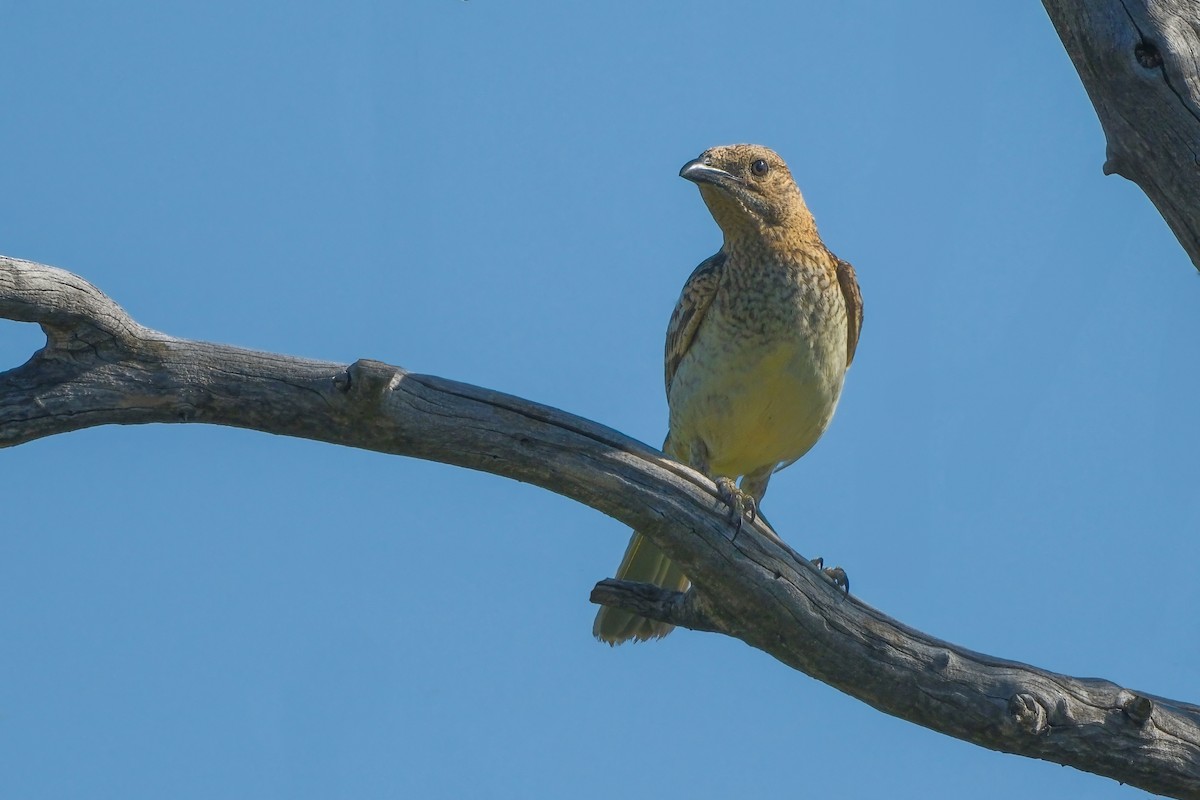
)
(694, 300)
(854, 306)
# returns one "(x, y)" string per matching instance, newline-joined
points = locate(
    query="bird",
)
(756, 353)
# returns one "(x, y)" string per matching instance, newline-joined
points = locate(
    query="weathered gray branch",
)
(684, 609)
(100, 367)
(1140, 63)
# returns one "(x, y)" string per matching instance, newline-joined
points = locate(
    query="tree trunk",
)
(1137, 60)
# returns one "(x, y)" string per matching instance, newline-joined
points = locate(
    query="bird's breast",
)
(760, 383)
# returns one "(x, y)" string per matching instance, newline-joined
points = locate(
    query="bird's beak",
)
(697, 171)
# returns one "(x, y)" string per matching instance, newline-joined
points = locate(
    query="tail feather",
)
(644, 563)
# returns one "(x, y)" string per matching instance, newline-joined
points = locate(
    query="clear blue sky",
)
(487, 191)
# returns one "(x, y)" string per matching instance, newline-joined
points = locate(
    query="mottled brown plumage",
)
(757, 349)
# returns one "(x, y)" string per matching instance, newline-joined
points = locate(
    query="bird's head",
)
(749, 190)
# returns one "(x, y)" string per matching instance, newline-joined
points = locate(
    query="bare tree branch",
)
(100, 367)
(684, 609)
(1138, 61)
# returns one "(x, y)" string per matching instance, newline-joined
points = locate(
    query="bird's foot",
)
(741, 504)
(835, 574)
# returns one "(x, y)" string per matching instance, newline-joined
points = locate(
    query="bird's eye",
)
(759, 167)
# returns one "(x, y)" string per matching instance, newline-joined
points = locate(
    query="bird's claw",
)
(836, 574)
(741, 504)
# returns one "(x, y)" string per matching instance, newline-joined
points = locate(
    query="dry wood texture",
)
(1138, 60)
(100, 367)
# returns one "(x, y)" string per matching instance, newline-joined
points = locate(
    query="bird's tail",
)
(643, 563)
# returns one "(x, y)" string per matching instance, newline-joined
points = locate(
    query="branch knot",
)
(370, 378)
(1137, 707)
(1029, 713)
(1147, 55)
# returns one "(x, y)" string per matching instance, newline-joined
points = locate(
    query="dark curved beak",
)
(697, 171)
